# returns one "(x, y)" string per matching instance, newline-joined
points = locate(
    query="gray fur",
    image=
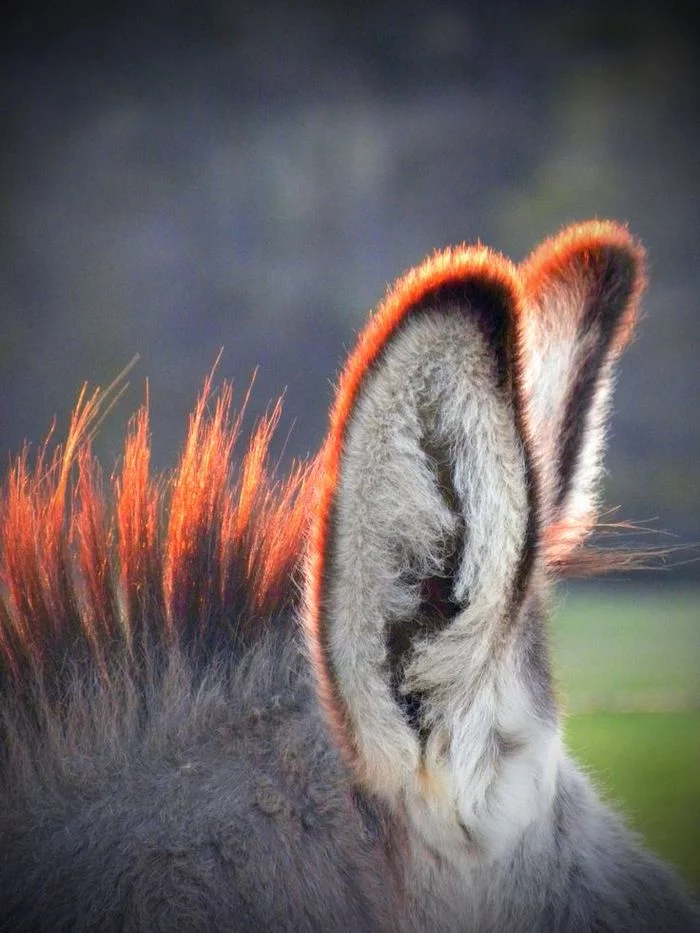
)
(212, 794)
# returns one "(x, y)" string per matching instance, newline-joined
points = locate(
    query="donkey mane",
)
(107, 575)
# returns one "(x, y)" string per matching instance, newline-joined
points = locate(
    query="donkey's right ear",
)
(581, 289)
(423, 529)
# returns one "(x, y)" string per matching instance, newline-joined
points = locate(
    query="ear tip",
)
(459, 266)
(469, 268)
(601, 252)
(607, 239)
(456, 264)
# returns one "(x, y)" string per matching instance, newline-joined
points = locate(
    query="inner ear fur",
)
(407, 492)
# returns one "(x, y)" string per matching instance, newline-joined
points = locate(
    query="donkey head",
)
(460, 470)
(163, 762)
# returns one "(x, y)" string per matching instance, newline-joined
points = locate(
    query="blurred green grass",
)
(627, 665)
(647, 766)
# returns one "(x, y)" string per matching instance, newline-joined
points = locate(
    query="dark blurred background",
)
(177, 177)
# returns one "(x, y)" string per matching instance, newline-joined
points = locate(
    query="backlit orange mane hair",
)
(94, 570)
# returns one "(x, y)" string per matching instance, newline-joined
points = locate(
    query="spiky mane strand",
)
(105, 573)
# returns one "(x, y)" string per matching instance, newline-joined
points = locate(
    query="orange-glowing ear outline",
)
(478, 281)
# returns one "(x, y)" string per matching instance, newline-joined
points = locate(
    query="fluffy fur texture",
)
(326, 703)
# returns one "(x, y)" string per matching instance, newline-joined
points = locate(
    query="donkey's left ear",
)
(425, 522)
(582, 291)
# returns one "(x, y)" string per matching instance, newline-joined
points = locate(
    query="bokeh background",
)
(177, 177)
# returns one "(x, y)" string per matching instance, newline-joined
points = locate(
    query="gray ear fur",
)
(424, 538)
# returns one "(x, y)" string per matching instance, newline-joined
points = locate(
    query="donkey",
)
(326, 703)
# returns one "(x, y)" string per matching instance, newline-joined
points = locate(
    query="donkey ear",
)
(424, 520)
(582, 291)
